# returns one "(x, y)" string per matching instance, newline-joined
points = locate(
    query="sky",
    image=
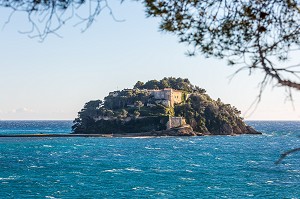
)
(53, 79)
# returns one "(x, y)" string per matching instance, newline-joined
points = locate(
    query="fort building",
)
(175, 122)
(170, 95)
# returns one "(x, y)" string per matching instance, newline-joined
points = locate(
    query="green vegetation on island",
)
(171, 106)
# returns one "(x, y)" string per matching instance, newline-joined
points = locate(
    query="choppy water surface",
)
(190, 167)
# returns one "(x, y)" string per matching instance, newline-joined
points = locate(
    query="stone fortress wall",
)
(171, 95)
(175, 122)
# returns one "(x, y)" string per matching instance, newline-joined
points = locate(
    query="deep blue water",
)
(170, 167)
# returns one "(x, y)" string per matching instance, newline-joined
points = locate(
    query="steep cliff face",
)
(127, 111)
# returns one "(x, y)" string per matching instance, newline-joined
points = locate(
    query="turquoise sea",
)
(166, 167)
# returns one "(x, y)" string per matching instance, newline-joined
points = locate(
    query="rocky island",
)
(169, 107)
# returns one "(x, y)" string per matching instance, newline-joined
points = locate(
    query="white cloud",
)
(22, 110)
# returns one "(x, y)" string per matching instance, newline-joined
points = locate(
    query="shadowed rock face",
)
(240, 128)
